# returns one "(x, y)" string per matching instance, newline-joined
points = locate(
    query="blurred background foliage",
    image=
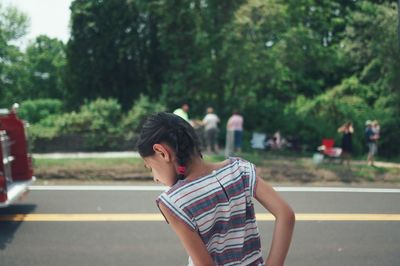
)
(303, 67)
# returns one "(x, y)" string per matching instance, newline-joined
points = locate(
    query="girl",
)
(209, 205)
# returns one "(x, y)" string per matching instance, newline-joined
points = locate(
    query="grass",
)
(91, 169)
(86, 161)
(274, 167)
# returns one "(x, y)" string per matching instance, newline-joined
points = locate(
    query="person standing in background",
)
(210, 122)
(234, 134)
(347, 143)
(376, 128)
(371, 139)
(183, 112)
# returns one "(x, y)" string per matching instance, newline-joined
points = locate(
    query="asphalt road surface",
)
(122, 226)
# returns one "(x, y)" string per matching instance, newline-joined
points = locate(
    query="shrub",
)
(99, 116)
(97, 121)
(35, 110)
(140, 110)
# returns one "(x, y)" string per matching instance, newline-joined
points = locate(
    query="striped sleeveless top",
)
(219, 207)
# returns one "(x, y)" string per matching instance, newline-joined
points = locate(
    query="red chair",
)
(328, 149)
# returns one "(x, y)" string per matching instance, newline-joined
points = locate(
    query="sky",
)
(49, 17)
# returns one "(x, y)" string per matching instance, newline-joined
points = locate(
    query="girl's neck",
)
(198, 168)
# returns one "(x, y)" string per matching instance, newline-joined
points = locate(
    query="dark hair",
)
(172, 130)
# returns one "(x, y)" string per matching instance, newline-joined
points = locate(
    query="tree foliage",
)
(13, 25)
(45, 58)
(110, 51)
(301, 66)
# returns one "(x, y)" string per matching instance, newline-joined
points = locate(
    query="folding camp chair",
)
(327, 148)
(258, 140)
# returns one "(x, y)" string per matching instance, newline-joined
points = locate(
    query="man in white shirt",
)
(210, 122)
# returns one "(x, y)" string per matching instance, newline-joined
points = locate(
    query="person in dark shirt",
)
(347, 143)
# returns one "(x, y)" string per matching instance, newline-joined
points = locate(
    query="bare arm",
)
(191, 241)
(284, 223)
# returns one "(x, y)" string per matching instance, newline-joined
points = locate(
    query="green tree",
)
(110, 51)
(45, 58)
(13, 25)
(253, 71)
(168, 48)
(192, 36)
(372, 49)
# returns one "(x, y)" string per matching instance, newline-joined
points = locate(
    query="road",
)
(99, 225)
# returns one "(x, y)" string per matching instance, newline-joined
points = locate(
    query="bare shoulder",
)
(222, 164)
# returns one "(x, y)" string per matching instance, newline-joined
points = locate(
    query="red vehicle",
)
(16, 172)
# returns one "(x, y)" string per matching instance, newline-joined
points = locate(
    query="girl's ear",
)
(162, 151)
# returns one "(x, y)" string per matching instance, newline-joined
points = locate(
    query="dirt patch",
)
(99, 169)
(280, 170)
(304, 171)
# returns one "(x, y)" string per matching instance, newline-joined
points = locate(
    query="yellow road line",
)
(336, 217)
(106, 217)
(155, 217)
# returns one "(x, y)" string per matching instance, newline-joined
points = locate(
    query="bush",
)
(99, 116)
(142, 108)
(98, 122)
(389, 119)
(35, 110)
